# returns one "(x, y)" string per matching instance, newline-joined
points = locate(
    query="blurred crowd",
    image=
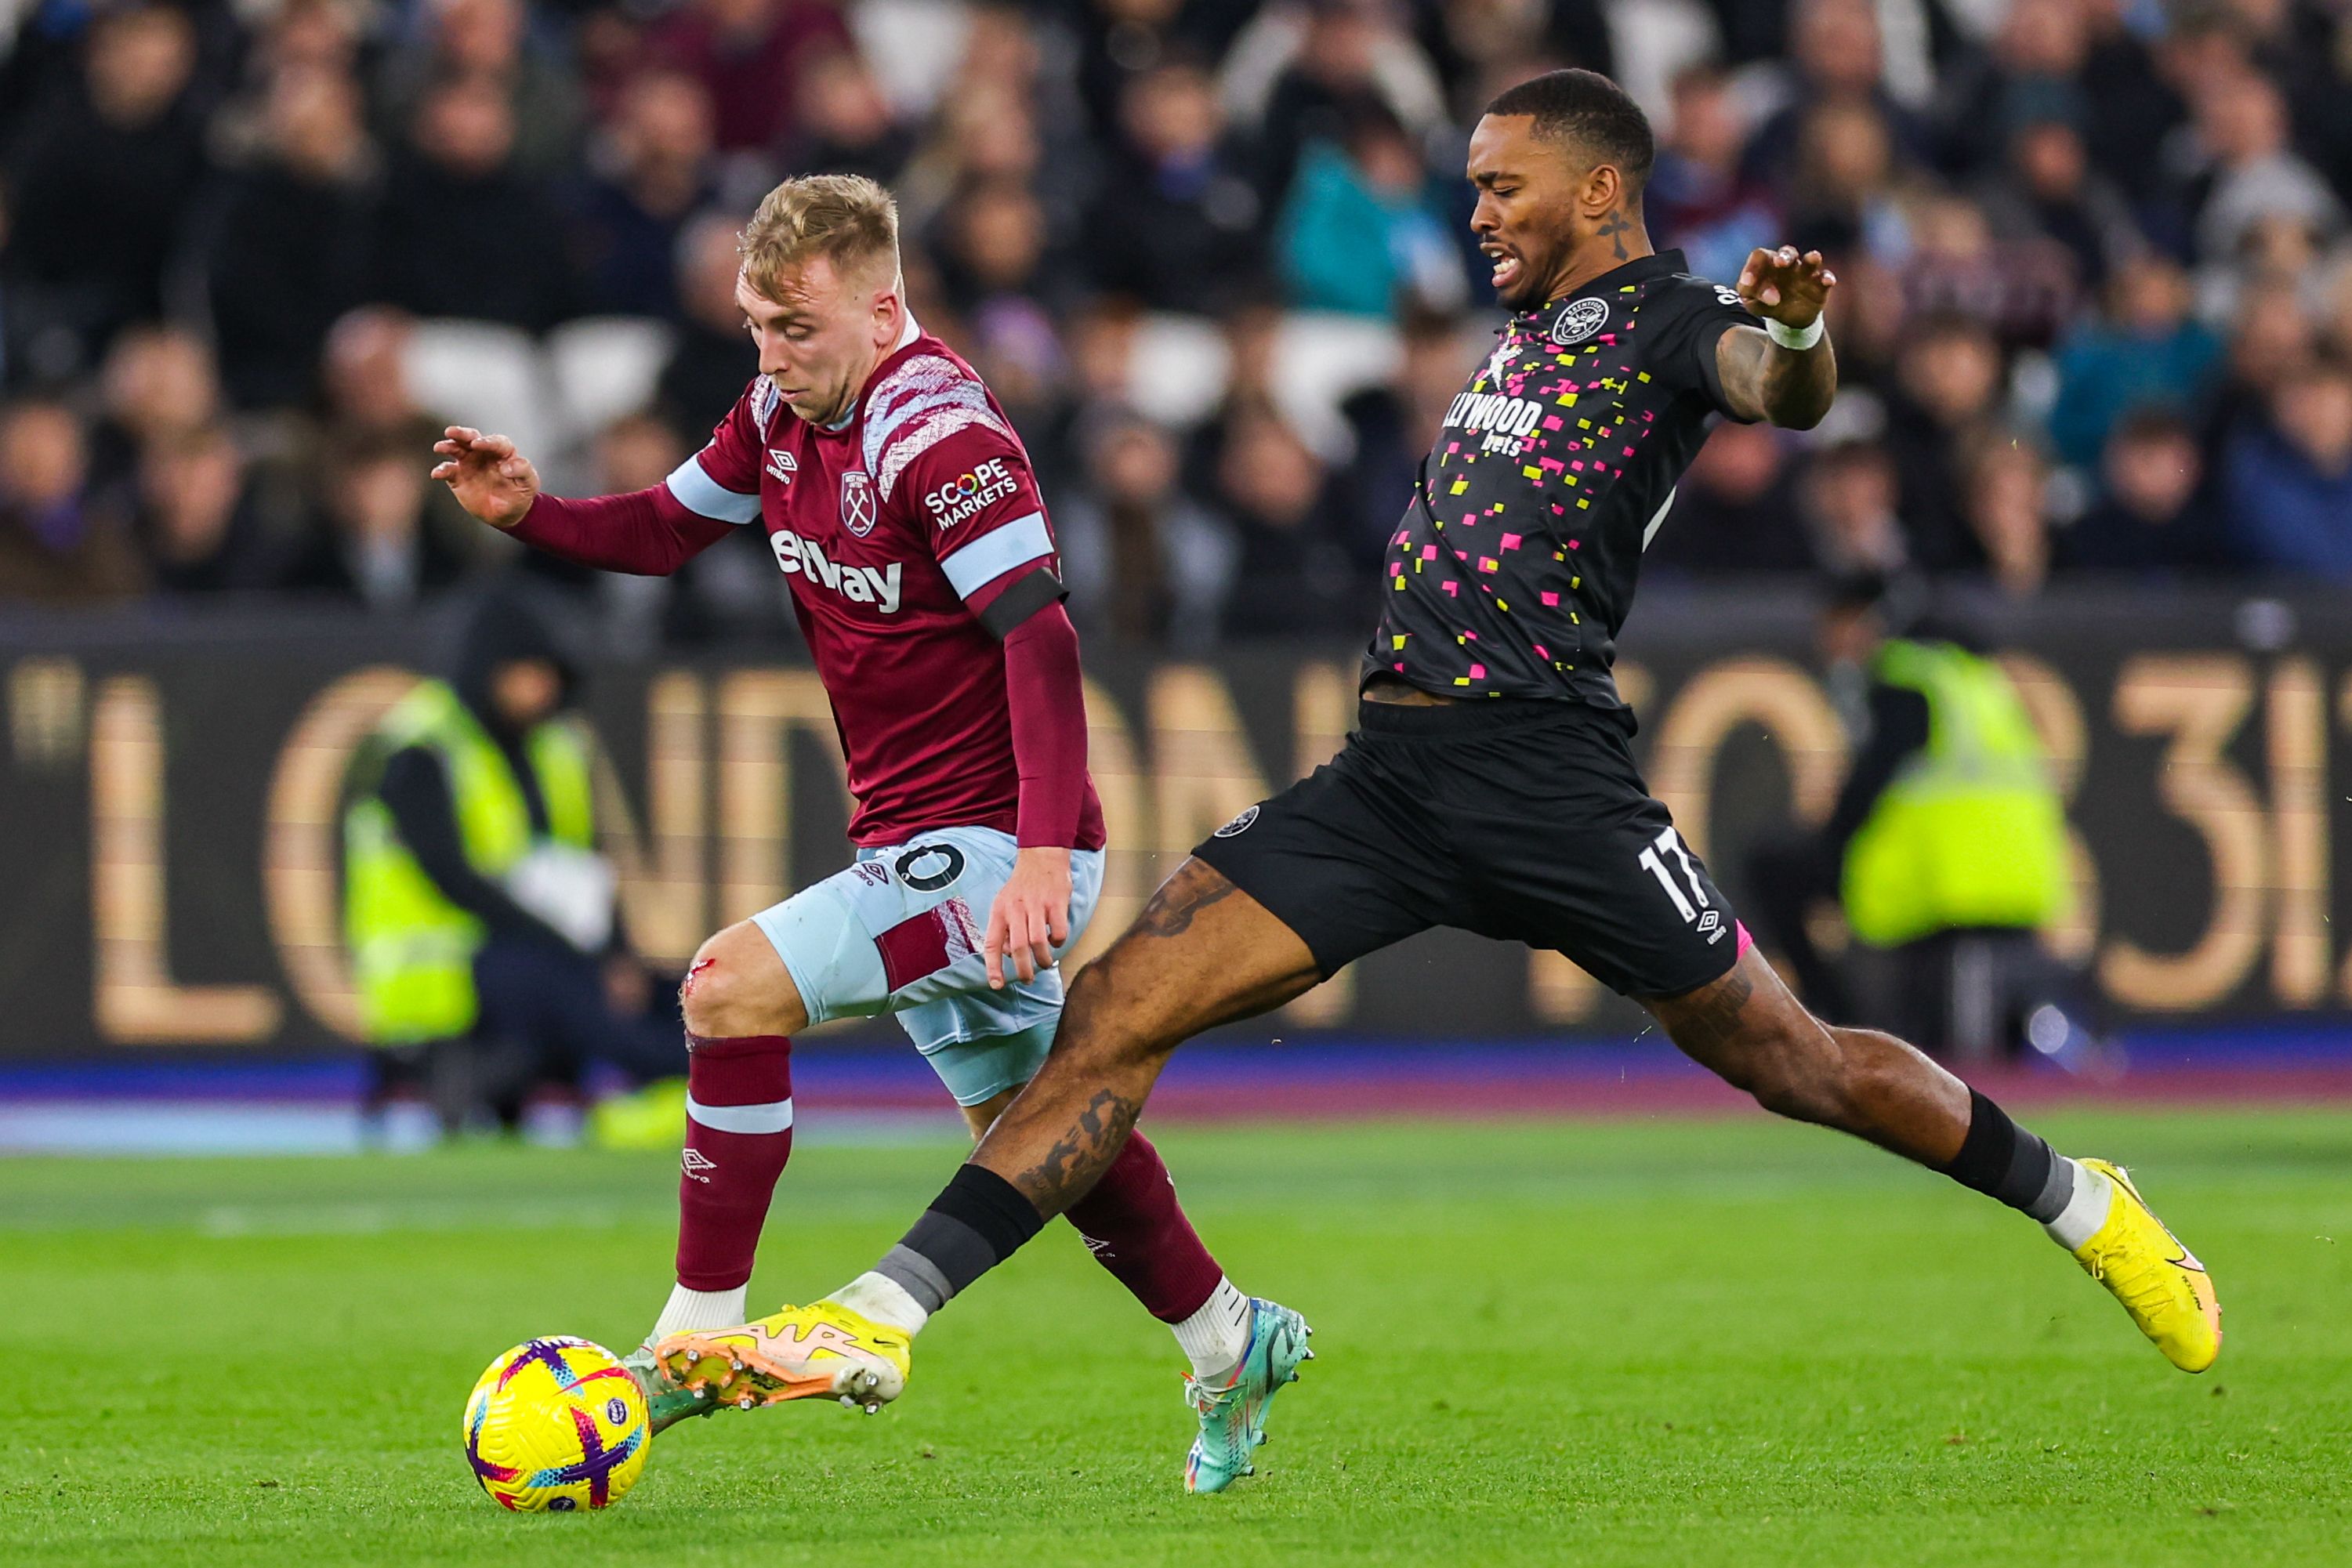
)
(2094, 313)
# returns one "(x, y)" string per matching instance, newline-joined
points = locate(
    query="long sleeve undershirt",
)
(1047, 698)
(646, 533)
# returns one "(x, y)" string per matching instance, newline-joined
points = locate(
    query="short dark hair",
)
(1587, 108)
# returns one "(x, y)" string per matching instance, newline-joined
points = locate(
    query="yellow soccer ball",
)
(557, 1424)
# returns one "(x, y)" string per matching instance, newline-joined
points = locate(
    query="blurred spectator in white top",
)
(2237, 165)
(652, 168)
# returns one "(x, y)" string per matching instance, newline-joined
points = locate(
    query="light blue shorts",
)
(900, 931)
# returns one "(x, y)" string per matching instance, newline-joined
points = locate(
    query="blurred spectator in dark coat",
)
(1294, 575)
(1147, 565)
(1735, 512)
(1393, 425)
(1305, 73)
(157, 381)
(1698, 201)
(2047, 186)
(487, 41)
(1834, 58)
(196, 519)
(1364, 231)
(2150, 517)
(1118, 40)
(57, 545)
(2132, 108)
(993, 243)
(651, 171)
(2271, 338)
(99, 188)
(1849, 494)
(1176, 224)
(749, 53)
(2288, 484)
(1842, 198)
(2146, 349)
(287, 240)
(713, 360)
(372, 547)
(1948, 383)
(462, 232)
(846, 123)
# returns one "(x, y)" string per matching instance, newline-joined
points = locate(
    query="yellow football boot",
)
(800, 1353)
(2160, 1282)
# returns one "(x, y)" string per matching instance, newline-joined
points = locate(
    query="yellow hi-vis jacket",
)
(1971, 831)
(412, 948)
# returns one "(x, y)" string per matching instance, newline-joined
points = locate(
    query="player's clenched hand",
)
(1789, 288)
(488, 475)
(1031, 916)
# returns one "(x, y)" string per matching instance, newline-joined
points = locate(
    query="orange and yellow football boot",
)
(801, 1352)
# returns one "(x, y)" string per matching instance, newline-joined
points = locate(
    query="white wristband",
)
(1797, 338)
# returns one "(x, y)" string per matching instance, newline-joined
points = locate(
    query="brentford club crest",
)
(857, 513)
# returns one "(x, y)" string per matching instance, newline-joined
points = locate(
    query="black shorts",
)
(1525, 821)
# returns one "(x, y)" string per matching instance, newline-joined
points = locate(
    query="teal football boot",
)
(1233, 1414)
(666, 1402)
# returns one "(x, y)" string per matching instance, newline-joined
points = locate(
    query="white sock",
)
(2086, 1211)
(1216, 1337)
(698, 1310)
(883, 1299)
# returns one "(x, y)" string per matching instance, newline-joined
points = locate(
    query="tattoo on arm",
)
(1762, 380)
(1079, 1158)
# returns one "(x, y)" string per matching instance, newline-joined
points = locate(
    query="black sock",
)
(976, 1223)
(2003, 1160)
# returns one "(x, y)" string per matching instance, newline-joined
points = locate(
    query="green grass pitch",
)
(1726, 1342)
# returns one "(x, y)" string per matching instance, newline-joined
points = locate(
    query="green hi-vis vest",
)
(1971, 831)
(411, 949)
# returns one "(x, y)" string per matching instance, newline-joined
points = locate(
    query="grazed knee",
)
(728, 994)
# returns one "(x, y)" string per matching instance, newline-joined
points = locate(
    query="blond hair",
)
(845, 218)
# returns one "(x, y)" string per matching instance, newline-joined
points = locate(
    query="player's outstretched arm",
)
(648, 532)
(488, 477)
(1785, 372)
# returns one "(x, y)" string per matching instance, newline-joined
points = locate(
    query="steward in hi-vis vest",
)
(1970, 832)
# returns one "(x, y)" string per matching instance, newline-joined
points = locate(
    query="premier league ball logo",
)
(1578, 319)
(857, 512)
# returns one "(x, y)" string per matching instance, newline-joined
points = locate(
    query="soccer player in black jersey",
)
(1490, 786)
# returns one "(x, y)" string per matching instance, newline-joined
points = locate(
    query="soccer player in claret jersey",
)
(1489, 784)
(900, 507)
